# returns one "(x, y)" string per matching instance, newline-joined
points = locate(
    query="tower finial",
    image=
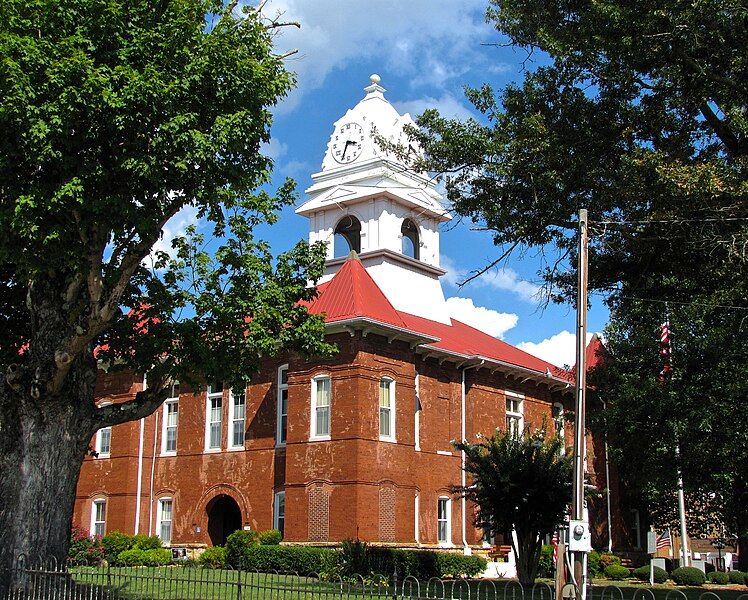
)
(374, 78)
(374, 87)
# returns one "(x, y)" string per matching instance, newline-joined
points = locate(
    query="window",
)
(515, 421)
(282, 424)
(98, 518)
(387, 409)
(321, 408)
(164, 519)
(104, 441)
(411, 245)
(444, 521)
(279, 511)
(418, 409)
(347, 236)
(238, 410)
(558, 422)
(636, 536)
(171, 418)
(213, 415)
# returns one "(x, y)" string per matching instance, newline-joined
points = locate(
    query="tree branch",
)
(144, 404)
(490, 266)
(731, 142)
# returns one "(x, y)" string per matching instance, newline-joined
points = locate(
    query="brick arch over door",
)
(200, 512)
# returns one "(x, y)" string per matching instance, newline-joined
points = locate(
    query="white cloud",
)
(274, 149)
(504, 278)
(559, 349)
(447, 105)
(417, 39)
(485, 319)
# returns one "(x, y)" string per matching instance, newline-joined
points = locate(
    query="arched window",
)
(411, 244)
(347, 236)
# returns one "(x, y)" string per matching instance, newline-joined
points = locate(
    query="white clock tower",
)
(365, 199)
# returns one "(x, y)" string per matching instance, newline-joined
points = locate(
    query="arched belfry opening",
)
(224, 518)
(347, 236)
(411, 242)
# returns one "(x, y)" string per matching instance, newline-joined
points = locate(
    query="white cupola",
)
(365, 199)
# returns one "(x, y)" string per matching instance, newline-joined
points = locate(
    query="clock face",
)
(347, 142)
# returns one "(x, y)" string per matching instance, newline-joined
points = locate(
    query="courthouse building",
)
(358, 445)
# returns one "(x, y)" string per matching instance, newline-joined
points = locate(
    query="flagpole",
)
(685, 554)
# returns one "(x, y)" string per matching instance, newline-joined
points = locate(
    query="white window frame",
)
(558, 423)
(94, 521)
(418, 409)
(447, 520)
(518, 416)
(313, 435)
(172, 400)
(99, 439)
(278, 500)
(160, 519)
(281, 432)
(233, 420)
(209, 397)
(391, 437)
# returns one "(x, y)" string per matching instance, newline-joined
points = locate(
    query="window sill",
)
(280, 444)
(168, 453)
(389, 440)
(319, 438)
(446, 545)
(444, 452)
(211, 451)
(235, 448)
(102, 455)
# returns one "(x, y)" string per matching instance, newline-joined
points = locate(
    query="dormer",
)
(367, 200)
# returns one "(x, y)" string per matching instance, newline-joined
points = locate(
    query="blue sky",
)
(425, 52)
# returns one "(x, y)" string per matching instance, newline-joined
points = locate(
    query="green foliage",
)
(237, 543)
(214, 558)
(304, 560)
(146, 542)
(271, 537)
(354, 558)
(607, 559)
(593, 564)
(688, 576)
(642, 573)
(156, 557)
(616, 572)
(114, 543)
(84, 550)
(718, 578)
(131, 558)
(422, 564)
(545, 564)
(518, 483)
(737, 577)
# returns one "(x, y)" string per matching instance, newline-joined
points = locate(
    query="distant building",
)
(359, 445)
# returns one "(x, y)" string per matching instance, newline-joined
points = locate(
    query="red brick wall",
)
(351, 486)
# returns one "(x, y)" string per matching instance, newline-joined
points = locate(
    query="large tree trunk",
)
(527, 553)
(44, 443)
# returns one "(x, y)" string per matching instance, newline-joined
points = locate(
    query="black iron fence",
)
(46, 580)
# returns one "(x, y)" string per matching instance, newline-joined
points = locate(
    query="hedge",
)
(153, 557)
(737, 577)
(271, 537)
(718, 577)
(114, 543)
(642, 573)
(304, 560)
(617, 572)
(214, 558)
(688, 576)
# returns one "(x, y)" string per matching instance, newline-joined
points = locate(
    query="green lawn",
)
(182, 583)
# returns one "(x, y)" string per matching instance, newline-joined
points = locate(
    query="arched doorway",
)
(224, 518)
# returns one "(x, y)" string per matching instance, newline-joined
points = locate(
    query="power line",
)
(703, 304)
(671, 221)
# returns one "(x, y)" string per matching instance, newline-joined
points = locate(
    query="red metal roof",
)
(353, 293)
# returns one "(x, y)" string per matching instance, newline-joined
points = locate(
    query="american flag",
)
(663, 540)
(666, 351)
(554, 541)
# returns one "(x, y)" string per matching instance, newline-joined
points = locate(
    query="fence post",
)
(239, 581)
(394, 583)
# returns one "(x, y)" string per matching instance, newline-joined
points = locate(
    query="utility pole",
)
(579, 530)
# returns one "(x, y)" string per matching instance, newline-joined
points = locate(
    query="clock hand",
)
(345, 149)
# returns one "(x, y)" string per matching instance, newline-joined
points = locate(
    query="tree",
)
(114, 116)
(519, 483)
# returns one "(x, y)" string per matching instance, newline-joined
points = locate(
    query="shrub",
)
(84, 550)
(718, 577)
(545, 564)
(423, 564)
(271, 537)
(593, 564)
(688, 576)
(642, 573)
(616, 572)
(114, 543)
(607, 559)
(214, 558)
(737, 577)
(236, 545)
(146, 542)
(130, 558)
(304, 560)
(156, 557)
(354, 558)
